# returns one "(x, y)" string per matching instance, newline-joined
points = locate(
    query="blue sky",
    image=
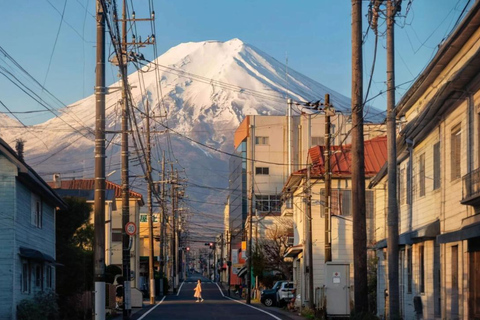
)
(314, 34)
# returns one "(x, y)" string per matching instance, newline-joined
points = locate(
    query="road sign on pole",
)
(130, 228)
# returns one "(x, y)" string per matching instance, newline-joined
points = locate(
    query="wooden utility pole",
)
(308, 220)
(250, 213)
(149, 179)
(99, 197)
(392, 237)
(174, 228)
(358, 165)
(229, 261)
(328, 178)
(163, 225)
(124, 162)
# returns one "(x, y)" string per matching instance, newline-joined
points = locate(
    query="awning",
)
(241, 272)
(427, 232)
(293, 251)
(33, 254)
(467, 232)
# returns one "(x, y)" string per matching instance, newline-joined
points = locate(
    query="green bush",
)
(43, 306)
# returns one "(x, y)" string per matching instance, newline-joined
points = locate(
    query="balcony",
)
(471, 188)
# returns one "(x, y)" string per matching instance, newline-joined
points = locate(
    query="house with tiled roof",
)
(332, 272)
(113, 226)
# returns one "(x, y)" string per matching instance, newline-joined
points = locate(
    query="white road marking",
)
(180, 288)
(248, 305)
(144, 315)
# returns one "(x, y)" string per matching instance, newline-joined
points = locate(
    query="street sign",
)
(130, 228)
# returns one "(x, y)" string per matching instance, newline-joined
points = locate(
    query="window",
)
(341, 202)
(421, 268)
(25, 277)
(318, 141)
(36, 211)
(421, 175)
(261, 140)
(116, 234)
(409, 269)
(401, 182)
(49, 276)
(436, 166)
(39, 276)
(262, 170)
(268, 203)
(455, 152)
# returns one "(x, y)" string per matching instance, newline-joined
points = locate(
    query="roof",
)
(341, 158)
(30, 178)
(89, 184)
(446, 52)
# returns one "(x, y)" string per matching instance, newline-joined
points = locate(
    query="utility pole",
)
(125, 183)
(358, 165)
(250, 214)
(328, 179)
(308, 220)
(174, 229)
(149, 205)
(229, 261)
(392, 238)
(162, 225)
(289, 137)
(99, 197)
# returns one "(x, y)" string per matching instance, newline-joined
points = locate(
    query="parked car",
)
(280, 294)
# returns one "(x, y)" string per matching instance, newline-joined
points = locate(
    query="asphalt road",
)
(216, 305)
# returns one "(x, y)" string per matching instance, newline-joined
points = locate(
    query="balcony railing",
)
(471, 188)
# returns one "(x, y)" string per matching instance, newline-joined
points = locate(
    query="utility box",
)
(337, 284)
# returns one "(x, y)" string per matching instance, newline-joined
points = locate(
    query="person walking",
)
(198, 291)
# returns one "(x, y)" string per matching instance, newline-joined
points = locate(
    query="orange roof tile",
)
(341, 158)
(89, 184)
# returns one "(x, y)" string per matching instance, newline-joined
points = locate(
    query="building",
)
(332, 230)
(267, 150)
(438, 187)
(113, 237)
(27, 232)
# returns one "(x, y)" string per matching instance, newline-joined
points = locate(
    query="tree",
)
(74, 238)
(273, 247)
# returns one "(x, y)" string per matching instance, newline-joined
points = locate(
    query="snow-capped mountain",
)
(206, 89)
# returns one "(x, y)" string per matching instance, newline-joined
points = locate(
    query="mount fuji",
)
(199, 92)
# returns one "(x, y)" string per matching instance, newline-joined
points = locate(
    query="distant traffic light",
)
(210, 244)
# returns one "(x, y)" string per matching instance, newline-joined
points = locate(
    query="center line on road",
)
(146, 313)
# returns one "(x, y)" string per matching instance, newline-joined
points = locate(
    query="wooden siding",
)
(8, 283)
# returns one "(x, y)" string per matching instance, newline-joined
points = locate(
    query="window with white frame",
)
(268, 203)
(36, 207)
(262, 170)
(261, 140)
(318, 141)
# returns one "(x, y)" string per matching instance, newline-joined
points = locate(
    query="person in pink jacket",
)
(198, 291)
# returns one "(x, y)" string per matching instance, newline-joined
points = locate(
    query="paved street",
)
(216, 305)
